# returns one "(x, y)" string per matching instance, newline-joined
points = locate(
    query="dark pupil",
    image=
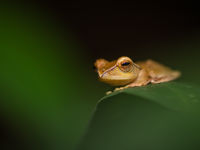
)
(125, 63)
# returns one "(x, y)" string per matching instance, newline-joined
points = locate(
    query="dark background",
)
(53, 110)
(116, 28)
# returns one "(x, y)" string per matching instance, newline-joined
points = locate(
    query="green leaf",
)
(161, 116)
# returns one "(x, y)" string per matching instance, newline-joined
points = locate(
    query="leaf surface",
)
(161, 116)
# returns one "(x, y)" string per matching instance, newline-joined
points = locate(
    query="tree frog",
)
(126, 73)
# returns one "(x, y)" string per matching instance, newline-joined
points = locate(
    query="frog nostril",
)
(94, 67)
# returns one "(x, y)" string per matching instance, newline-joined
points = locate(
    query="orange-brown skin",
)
(124, 72)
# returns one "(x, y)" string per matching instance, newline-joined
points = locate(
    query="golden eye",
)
(126, 66)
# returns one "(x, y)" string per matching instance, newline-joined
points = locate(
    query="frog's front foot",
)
(120, 88)
(117, 89)
(109, 92)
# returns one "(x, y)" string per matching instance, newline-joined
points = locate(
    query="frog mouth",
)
(110, 69)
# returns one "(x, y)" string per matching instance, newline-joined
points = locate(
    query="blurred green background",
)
(48, 87)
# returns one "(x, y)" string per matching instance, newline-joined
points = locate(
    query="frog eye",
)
(126, 63)
(126, 66)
